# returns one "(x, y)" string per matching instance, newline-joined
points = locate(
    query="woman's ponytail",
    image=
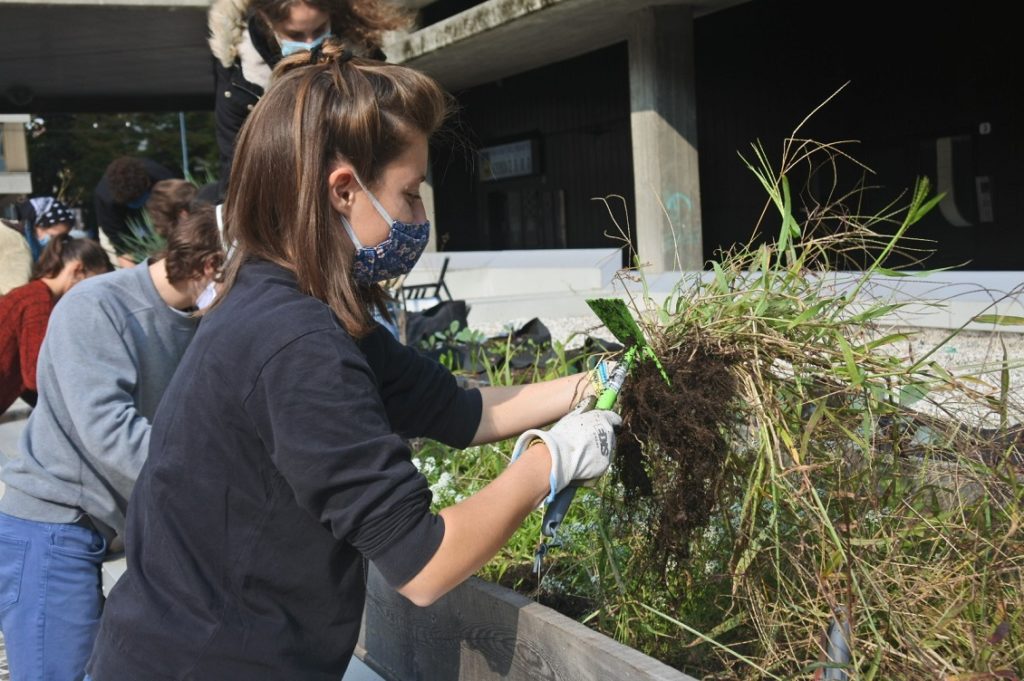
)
(63, 250)
(332, 51)
(51, 260)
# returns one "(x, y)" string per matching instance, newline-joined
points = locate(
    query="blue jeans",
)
(51, 597)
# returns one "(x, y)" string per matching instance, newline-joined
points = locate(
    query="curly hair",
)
(167, 201)
(192, 244)
(127, 178)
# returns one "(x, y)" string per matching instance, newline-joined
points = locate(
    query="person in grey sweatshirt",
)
(112, 345)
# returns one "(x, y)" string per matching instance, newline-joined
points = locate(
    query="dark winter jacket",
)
(243, 61)
(245, 53)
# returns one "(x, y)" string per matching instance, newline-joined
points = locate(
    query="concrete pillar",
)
(663, 122)
(15, 151)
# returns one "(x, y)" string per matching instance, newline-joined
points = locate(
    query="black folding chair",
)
(428, 291)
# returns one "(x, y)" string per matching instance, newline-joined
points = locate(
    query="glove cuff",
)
(524, 442)
(526, 438)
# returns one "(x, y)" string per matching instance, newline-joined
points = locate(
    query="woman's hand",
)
(580, 445)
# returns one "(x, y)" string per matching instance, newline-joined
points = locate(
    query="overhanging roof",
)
(124, 55)
(95, 55)
(500, 38)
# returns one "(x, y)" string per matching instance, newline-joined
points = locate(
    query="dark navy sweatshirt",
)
(278, 463)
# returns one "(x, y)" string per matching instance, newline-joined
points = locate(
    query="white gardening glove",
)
(581, 447)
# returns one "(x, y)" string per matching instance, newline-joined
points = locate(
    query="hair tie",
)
(316, 54)
(346, 54)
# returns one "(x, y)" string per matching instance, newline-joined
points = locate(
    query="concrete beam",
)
(14, 148)
(500, 38)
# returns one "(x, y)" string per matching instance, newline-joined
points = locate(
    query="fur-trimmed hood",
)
(228, 24)
(231, 41)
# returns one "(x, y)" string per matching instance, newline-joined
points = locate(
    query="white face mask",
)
(289, 47)
(209, 293)
(207, 297)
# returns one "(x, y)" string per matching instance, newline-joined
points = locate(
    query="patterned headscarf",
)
(54, 214)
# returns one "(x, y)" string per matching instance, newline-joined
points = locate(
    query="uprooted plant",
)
(802, 474)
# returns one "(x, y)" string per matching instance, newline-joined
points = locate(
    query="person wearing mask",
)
(44, 218)
(111, 348)
(249, 37)
(25, 311)
(119, 196)
(279, 459)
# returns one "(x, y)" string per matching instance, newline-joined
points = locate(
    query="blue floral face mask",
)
(394, 256)
(292, 46)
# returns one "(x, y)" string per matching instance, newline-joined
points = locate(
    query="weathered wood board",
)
(481, 631)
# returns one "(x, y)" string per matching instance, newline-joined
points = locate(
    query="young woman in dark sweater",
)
(278, 460)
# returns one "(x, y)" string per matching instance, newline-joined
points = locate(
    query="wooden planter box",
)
(481, 631)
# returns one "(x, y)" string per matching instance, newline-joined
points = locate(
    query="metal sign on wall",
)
(502, 161)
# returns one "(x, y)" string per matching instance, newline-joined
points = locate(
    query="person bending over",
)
(25, 311)
(121, 194)
(111, 348)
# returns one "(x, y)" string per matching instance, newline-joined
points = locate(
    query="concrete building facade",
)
(647, 103)
(655, 101)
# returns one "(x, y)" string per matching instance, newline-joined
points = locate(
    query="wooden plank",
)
(480, 631)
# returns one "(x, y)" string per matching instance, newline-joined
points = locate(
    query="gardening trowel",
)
(614, 314)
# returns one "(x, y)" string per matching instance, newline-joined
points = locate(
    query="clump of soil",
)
(673, 445)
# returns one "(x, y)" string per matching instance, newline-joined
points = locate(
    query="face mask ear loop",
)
(351, 233)
(219, 212)
(376, 204)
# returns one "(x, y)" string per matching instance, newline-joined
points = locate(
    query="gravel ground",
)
(977, 355)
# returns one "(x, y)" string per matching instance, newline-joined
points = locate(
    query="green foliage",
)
(838, 496)
(143, 240)
(850, 485)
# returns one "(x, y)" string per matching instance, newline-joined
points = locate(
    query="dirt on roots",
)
(674, 444)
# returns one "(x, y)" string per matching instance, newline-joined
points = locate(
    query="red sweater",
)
(24, 313)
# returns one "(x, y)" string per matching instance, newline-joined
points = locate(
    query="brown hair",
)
(358, 22)
(127, 179)
(313, 116)
(166, 202)
(193, 243)
(63, 250)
